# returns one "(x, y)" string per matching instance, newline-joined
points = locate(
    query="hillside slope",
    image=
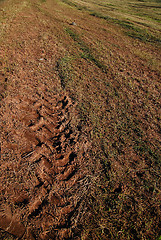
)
(80, 122)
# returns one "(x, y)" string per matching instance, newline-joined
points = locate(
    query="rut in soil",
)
(40, 168)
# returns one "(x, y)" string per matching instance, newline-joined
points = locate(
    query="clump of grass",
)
(69, 3)
(142, 148)
(99, 15)
(75, 5)
(86, 51)
(64, 68)
(143, 35)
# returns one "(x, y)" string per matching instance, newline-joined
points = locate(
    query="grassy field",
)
(140, 19)
(110, 65)
(112, 70)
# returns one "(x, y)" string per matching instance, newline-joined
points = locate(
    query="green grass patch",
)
(75, 5)
(64, 67)
(86, 52)
(133, 31)
(125, 24)
(143, 148)
(99, 15)
(69, 3)
(143, 35)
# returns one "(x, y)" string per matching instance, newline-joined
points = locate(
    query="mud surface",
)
(40, 168)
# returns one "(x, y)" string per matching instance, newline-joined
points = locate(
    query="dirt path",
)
(42, 170)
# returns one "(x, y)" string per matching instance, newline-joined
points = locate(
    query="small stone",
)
(74, 24)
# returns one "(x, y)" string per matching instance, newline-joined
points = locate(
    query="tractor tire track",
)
(40, 168)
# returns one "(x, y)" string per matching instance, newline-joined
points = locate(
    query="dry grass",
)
(139, 19)
(109, 63)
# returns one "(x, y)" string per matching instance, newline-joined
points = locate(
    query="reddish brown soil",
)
(43, 158)
(40, 169)
(53, 184)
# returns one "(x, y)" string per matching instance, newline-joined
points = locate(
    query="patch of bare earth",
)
(53, 183)
(40, 168)
(43, 151)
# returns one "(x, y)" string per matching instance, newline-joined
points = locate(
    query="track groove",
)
(45, 144)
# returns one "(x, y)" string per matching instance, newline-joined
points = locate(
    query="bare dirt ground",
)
(80, 126)
(42, 168)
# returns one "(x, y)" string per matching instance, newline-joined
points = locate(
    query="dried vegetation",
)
(80, 120)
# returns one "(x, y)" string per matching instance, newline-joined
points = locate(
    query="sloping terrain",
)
(43, 163)
(80, 122)
(40, 170)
